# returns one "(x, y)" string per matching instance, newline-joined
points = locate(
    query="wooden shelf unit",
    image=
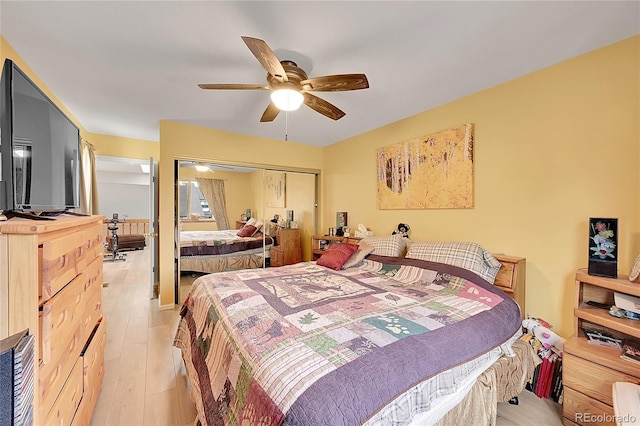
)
(589, 370)
(51, 284)
(511, 279)
(316, 245)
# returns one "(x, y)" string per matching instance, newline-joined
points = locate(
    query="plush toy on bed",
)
(547, 337)
(402, 230)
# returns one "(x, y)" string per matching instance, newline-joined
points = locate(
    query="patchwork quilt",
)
(306, 345)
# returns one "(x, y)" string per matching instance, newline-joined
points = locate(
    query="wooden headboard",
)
(511, 278)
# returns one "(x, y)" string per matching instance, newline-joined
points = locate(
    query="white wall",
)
(124, 193)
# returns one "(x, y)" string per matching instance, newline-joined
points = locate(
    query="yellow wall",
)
(299, 197)
(552, 149)
(182, 141)
(238, 195)
(117, 146)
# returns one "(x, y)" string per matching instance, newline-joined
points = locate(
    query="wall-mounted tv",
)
(39, 149)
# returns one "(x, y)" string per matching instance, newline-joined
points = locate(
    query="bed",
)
(216, 251)
(388, 340)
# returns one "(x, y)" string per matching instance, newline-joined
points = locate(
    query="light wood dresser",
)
(51, 283)
(288, 250)
(589, 370)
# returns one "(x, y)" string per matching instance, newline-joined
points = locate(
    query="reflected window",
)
(192, 202)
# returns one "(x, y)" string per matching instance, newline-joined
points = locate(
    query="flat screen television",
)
(39, 149)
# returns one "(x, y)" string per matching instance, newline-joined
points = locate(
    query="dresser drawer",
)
(93, 364)
(599, 385)
(63, 257)
(64, 409)
(292, 256)
(60, 317)
(580, 409)
(52, 378)
(92, 297)
(277, 256)
(93, 361)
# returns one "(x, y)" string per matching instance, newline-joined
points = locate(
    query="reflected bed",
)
(216, 251)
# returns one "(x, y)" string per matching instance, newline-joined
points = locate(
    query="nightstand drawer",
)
(583, 410)
(277, 256)
(600, 382)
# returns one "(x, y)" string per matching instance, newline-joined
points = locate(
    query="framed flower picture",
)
(603, 247)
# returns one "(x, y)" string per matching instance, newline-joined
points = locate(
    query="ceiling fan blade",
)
(270, 113)
(233, 86)
(336, 83)
(323, 107)
(266, 57)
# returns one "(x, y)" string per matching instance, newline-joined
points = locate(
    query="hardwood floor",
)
(145, 382)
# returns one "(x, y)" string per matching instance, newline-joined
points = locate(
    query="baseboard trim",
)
(168, 307)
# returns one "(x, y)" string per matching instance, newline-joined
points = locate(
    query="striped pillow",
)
(467, 255)
(388, 245)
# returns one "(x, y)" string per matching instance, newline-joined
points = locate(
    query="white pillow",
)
(258, 224)
(467, 255)
(363, 250)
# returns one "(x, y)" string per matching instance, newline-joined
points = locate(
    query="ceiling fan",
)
(290, 86)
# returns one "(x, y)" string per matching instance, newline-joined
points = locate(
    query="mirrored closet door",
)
(231, 217)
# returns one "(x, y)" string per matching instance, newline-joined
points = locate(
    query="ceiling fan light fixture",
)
(287, 99)
(202, 167)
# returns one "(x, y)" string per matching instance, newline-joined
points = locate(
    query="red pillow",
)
(246, 231)
(336, 255)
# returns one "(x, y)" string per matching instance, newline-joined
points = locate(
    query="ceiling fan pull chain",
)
(286, 125)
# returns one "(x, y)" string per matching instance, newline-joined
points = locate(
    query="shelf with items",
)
(589, 395)
(601, 290)
(319, 243)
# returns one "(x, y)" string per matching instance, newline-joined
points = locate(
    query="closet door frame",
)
(258, 167)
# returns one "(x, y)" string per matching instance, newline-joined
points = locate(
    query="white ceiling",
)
(122, 66)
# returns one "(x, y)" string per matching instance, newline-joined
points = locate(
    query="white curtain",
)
(213, 191)
(88, 180)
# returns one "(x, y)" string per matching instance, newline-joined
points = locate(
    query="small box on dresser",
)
(288, 250)
(51, 283)
(589, 369)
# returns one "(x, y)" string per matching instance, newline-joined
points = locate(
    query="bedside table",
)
(589, 370)
(320, 242)
(288, 250)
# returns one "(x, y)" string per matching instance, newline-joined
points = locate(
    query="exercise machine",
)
(113, 246)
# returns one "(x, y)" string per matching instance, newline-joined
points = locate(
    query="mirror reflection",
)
(234, 217)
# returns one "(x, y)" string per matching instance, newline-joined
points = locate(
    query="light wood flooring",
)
(145, 382)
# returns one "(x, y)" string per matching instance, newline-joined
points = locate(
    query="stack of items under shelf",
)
(547, 377)
(630, 348)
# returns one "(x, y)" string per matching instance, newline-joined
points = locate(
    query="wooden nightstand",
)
(240, 223)
(319, 243)
(288, 250)
(589, 370)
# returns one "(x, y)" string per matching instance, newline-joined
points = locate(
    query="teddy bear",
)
(547, 337)
(402, 230)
